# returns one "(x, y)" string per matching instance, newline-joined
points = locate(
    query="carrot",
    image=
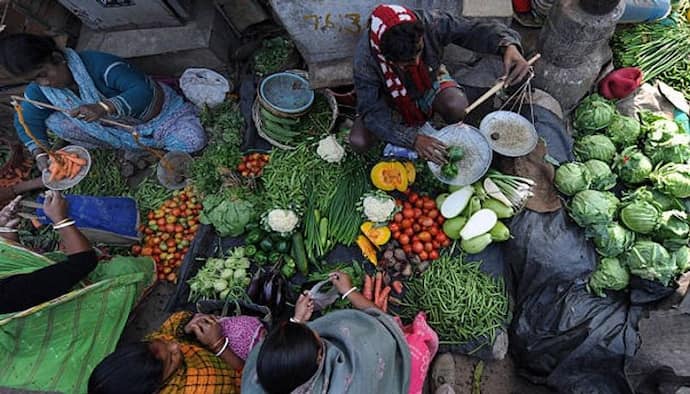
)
(397, 286)
(36, 223)
(377, 286)
(75, 159)
(383, 298)
(368, 287)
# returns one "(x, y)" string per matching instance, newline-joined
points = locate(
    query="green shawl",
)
(54, 346)
(364, 352)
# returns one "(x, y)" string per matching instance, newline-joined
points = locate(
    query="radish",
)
(456, 202)
(480, 223)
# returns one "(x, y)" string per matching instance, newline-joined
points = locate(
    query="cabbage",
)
(602, 177)
(673, 230)
(596, 146)
(673, 179)
(632, 166)
(681, 258)
(662, 130)
(641, 216)
(572, 178)
(623, 130)
(594, 113)
(611, 239)
(590, 207)
(673, 150)
(610, 274)
(651, 261)
(661, 200)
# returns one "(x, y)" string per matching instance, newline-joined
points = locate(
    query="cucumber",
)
(479, 223)
(277, 119)
(277, 129)
(456, 202)
(299, 253)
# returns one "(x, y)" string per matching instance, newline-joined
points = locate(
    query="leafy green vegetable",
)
(595, 146)
(611, 239)
(623, 130)
(273, 55)
(651, 261)
(591, 207)
(673, 150)
(641, 216)
(610, 274)
(594, 113)
(572, 178)
(673, 229)
(221, 278)
(645, 193)
(681, 258)
(602, 177)
(673, 179)
(229, 214)
(633, 166)
(104, 178)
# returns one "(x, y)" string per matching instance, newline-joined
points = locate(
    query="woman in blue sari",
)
(96, 85)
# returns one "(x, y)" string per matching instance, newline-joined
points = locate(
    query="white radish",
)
(456, 202)
(480, 223)
(494, 191)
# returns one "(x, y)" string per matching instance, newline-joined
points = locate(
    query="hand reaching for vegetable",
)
(515, 67)
(429, 148)
(341, 281)
(207, 331)
(55, 206)
(304, 307)
(8, 218)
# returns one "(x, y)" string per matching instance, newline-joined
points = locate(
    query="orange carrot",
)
(368, 287)
(383, 298)
(397, 286)
(36, 223)
(377, 286)
(75, 159)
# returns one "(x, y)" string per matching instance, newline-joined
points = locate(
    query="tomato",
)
(441, 236)
(426, 222)
(445, 243)
(433, 255)
(407, 248)
(433, 231)
(136, 249)
(413, 197)
(416, 227)
(428, 247)
(423, 256)
(440, 219)
(160, 222)
(398, 217)
(437, 245)
(424, 236)
(169, 228)
(418, 247)
(404, 239)
(419, 203)
(241, 167)
(179, 228)
(170, 219)
(394, 227)
(146, 252)
(407, 205)
(429, 205)
(409, 231)
(406, 223)
(396, 234)
(433, 214)
(408, 213)
(171, 243)
(417, 212)
(161, 276)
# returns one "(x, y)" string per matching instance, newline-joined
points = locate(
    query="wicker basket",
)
(256, 113)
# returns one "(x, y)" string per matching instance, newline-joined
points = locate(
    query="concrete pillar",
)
(574, 48)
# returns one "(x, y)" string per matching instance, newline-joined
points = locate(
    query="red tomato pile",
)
(168, 233)
(418, 227)
(252, 164)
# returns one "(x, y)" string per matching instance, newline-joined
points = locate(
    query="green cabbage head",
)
(673, 179)
(632, 166)
(572, 177)
(594, 113)
(610, 274)
(623, 131)
(590, 207)
(595, 146)
(611, 239)
(681, 257)
(646, 193)
(602, 176)
(673, 229)
(649, 260)
(641, 216)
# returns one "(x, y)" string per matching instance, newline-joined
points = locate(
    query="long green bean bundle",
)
(462, 303)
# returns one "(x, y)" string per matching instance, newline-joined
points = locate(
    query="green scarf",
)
(364, 352)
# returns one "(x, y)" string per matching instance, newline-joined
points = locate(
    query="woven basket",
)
(256, 113)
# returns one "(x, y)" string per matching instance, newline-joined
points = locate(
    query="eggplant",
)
(267, 292)
(254, 286)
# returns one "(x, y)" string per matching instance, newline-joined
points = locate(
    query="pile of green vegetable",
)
(315, 122)
(222, 278)
(104, 178)
(273, 55)
(462, 303)
(660, 49)
(150, 195)
(642, 228)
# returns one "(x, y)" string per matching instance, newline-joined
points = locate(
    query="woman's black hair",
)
(288, 358)
(130, 369)
(400, 43)
(22, 53)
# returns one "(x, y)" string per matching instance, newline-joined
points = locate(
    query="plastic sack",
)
(204, 87)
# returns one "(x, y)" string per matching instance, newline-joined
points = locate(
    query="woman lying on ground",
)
(346, 351)
(19, 291)
(189, 353)
(95, 85)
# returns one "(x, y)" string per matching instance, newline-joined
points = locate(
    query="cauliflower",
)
(330, 150)
(283, 221)
(378, 207)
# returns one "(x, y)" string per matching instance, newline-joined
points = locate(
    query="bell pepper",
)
(253, 237)
(249, 250)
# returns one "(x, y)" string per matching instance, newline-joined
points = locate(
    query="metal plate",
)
(509, 133)
(478, 154)
(177, 175)
(69, 182)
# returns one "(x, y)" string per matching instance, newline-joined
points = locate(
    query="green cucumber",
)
(265, 114)
(299, 253)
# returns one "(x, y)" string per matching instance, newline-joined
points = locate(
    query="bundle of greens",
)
(229, 212)
(150, 195)
(104, 178)
(273, 55)
(222, 279)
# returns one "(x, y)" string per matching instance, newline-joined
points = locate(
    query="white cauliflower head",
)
(330, 150)
(282, 221)
(378, 209)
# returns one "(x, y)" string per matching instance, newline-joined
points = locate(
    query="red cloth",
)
(383, 18)
(522, 6)
(620, 83)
